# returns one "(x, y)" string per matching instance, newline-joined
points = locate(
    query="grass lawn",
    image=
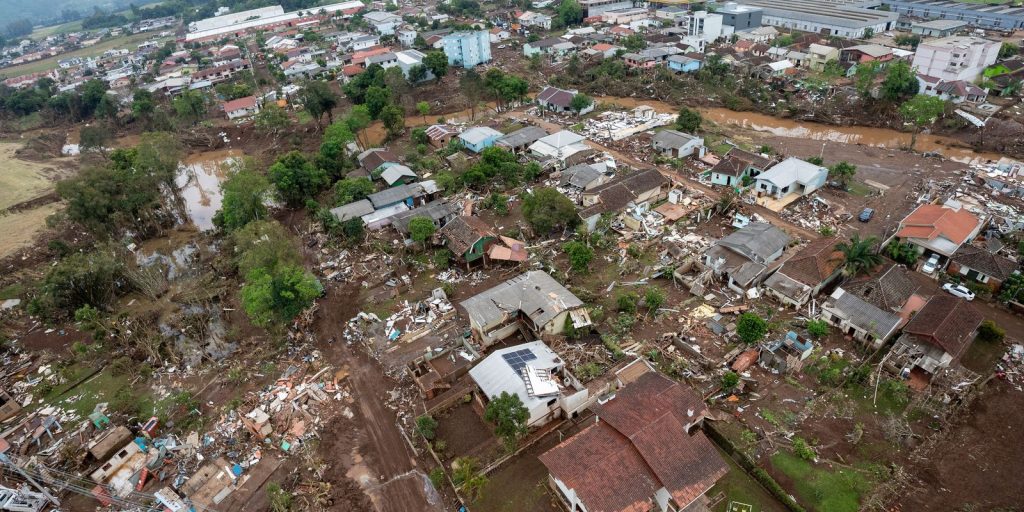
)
(742, 491)
(21, 180)
(63, 28)
(130, 42)
(101, 387)
(859, 189)
(822, 489)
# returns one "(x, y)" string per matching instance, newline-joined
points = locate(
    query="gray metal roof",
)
(434, 210)
(522, 137)
(495, 374)
(400, 193)
(864, 315)
(396, 172)
(757, 241)
(580, 175)
(672, 139)
(352, 210)
(535, 294)
(479, 134)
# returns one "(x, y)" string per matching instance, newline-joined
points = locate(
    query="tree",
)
(633, 43)
(688, 120)
(864, 77)
(18, 28)
(263, 244)
(423, 108)
(352, 189)
(437, 62)
(989, 332)
(547, 209)
(376, 99)
(466, 476)
(296, 178)
(920, 111)
(358, 119)
(580, 256)
(1008, 50)
(569, 13)
(421, 229)
(426, 425)
(858, 255)
(190, 106)
(271, 119)
(509, 415)
(84, 278)
(842, 172)
(902, 252)
(277, 296)
(580, 102)
(393, 118)
(94, 137)
(1013, 288)
(900, 82)
(783, 40)
(751, 328)
(908, 40)
(729, 381)
(142, 104)
(869, 33)
(244, 193)
(472, 87)
(318, 99)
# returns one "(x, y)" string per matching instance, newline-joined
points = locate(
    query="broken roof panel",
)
(535, 294)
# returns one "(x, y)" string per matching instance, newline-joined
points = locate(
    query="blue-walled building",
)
(467, 49)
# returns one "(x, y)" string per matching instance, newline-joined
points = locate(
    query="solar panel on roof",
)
(518, 359)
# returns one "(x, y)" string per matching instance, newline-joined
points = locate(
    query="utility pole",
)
(4, 447)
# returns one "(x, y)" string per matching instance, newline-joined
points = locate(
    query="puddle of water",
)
(198, 180)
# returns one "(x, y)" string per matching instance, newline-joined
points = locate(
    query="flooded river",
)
(199, 178)
(875, 137)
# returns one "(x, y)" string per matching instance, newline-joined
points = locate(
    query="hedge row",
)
(752, 469)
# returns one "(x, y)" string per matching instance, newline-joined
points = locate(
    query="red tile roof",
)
(239, 104)
(639, 446)
(947, 322)
(930, 221)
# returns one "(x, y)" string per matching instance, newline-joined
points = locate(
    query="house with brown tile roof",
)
(806, 273)
(737, 164)
(982, 266)
(643, 453)
(936, 337)
(869, 308)
(939, 229)
(468, 238)
(639, 188)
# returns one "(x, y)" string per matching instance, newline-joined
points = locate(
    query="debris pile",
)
(1011, 366)
(617, 125)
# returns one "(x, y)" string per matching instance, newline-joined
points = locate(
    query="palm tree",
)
(858, 255)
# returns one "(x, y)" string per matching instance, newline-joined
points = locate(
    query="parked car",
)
(959, 290)
(866, 214)
(930, 265)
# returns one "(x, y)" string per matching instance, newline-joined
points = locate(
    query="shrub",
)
(579, 256)
(818, 328)
(751, 328)
(427, 426)
(627, 302)
(437, 477)
(729, 381)
(803, 450)
(653, 299)
(989, 332)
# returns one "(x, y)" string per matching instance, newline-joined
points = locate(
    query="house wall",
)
(836, 319)
(975, 275)
(689, 67)
(490, 334)
(949, 63)
(569, 495)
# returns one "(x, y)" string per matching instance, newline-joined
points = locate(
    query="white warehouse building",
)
(833, 18)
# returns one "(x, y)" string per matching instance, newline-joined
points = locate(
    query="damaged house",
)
(936, 337)
(644, 452)
(532, 302)
(806, 273)
(537, 375)
(741, 258)
(871, 309)
(641, 189)
(786, 355)
(737, 166)
(981, 266)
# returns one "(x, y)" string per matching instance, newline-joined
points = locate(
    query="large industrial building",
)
(999, 17)
(265, 18)
(835, 18)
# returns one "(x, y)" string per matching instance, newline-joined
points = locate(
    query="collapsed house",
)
(640, 189)
(641, 453)
(871, 309)
(532, 302)
(537, 375)
(935, 338)
(741, 258)
(806, 273)
(785, 355)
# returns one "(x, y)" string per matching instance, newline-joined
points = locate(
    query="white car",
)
(959, 290)
(930, 265)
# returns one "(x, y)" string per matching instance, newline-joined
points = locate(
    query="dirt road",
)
(370, 450)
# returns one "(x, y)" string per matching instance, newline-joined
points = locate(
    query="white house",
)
(242, 107)
(790, 176)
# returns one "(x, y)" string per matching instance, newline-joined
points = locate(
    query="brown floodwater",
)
(875, 137)
(199, 178)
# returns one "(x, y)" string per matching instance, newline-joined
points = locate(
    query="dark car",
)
(866, 214)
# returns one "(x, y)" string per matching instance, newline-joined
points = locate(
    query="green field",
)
(130, 42)
(823, 490)
(63, 28)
